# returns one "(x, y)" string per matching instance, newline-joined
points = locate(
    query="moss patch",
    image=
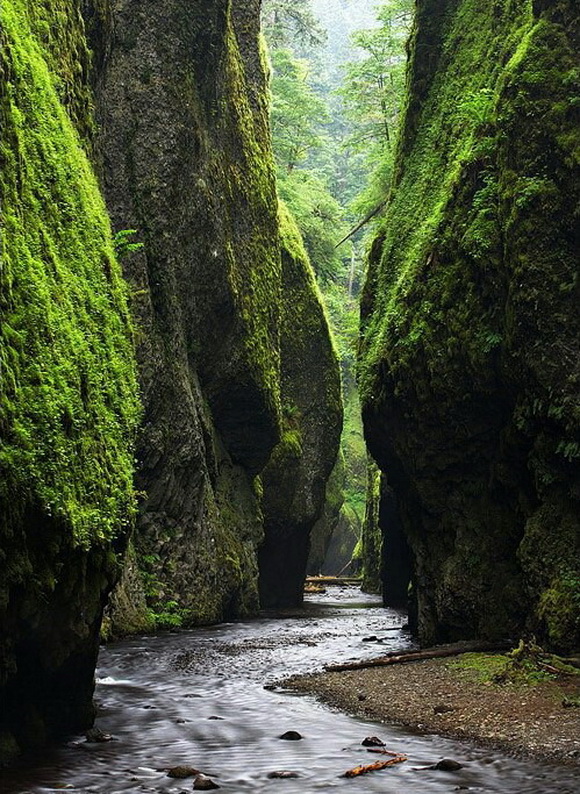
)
(68, 405)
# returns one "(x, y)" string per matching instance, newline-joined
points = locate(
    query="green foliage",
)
(68, 393)
(287, 22)
(323, 159)
(319, 218)
(296, 113)
(123, 244)
(372, 92)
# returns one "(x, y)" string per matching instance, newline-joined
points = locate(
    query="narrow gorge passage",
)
(197, 698)
(287, 286)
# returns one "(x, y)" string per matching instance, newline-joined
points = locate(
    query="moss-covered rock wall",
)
(296, 476)
(185, 149)
(469, 356)
(68, 404)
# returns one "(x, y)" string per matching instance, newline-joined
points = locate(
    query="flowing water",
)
(197, 698)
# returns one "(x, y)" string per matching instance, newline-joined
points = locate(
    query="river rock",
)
(97, 735)
(204, 783)
(182, 772)
(447, 765)
(442, 708)
(372, 741)
(291, 736)
(283, 775)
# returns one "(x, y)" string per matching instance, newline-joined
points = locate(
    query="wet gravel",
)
(433, 696)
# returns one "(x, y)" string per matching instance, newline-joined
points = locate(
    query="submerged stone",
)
(292, 736)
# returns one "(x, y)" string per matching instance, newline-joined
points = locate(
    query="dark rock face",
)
(295, 478)
(469, 359)
(323, 530)
(385, 557)
(68, 404)
(185, 151)
(395, 553)
(186, 159)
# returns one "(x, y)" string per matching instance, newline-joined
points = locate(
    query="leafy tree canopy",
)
(289, 22)
(297, 113)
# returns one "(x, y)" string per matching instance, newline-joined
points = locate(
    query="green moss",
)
(68, 405)
(480, 667)
(526, 665)
(254, 271)
(371, 543)
(470, 322)
(559, 609)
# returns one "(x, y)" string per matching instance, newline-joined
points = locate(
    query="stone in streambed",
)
(283, 775)
(204, 783)
(97, 735)
(181, 772)
(447, 765)
(292, 736)
(372, 741)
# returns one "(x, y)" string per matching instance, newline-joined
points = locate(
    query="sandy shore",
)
(443, 697)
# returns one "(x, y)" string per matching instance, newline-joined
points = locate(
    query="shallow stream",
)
(197, 698)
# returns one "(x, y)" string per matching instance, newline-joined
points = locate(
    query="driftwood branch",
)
(338, 580)
(400, 657)
(364, 769)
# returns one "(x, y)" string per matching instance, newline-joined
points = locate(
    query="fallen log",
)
(400, 657)
(364, 769)
(340, 580)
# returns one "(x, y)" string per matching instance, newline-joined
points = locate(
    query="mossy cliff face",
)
(68, 405)
(469, 357)
(186, 158)
(295, 479)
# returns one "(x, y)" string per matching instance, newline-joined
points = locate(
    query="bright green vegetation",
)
(333, 123)
(68, 405)
(470, 322)
(526, 665)
(372, 91)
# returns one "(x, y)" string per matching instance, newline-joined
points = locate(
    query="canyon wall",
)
(166, 102)
(469, 362)
(185, 152)
(68, 393)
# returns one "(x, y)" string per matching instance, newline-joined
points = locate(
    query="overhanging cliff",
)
(469, 364)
